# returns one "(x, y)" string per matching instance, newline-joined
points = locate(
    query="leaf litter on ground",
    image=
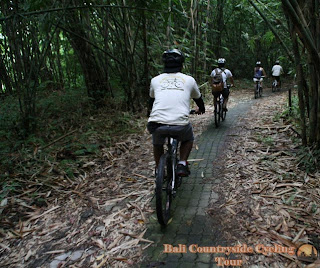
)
(99, 218)
(268, 198)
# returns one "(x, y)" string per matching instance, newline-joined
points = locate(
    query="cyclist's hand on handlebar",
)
(199, 112)
(196, 111)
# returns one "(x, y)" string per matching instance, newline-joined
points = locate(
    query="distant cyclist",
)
(258, 73)
(276, 72)
(226, 73)
(170, 94)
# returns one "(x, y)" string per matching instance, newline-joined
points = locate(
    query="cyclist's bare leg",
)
(185, 149)
(214, 101)
(225, 102)
(157, 152)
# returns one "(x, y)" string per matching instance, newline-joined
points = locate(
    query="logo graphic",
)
(175, 83)
(307, 253)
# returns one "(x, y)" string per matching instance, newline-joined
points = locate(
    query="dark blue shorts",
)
(182, 133)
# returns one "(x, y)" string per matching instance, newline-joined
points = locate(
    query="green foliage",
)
(309, 159)
(267, 140)
(7, 187)
(60, 112)
(268, 39)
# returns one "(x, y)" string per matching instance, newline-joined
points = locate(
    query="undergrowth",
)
(308, 157)
(70, 132)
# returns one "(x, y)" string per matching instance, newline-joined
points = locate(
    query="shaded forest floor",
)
(99, 217)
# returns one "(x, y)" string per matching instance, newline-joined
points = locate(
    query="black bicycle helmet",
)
(173, 60)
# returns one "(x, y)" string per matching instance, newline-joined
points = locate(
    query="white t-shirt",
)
(277, 70)
(172, 93)
(225, 75)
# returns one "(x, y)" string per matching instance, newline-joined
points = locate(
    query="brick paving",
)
(190, 223)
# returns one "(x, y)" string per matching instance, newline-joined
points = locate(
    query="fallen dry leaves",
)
(100, 218)
(269, 200)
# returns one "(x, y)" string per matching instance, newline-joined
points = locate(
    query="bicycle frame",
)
(275, 85)
(218, 100)
(172, 149)
(257, 88)
(275, 82)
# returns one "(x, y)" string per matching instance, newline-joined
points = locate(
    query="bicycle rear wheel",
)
(256, 89)
(223, 115)
(163, 189)
(217, 113)
(274, 87)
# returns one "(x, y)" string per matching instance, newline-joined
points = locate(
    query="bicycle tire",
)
(256, 91)
(260, 92)
(223, 115)
(273, 87)
(163, 191)
(217, 115)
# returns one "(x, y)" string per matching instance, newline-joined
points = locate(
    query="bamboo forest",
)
(89, 180)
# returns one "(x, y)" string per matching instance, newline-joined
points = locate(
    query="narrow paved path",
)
(191, 224)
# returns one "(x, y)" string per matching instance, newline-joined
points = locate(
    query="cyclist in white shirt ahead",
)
(170, 94)
(226, 73)
(277, 71)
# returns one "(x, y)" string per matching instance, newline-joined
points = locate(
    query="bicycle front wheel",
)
(163, 189)
(256, 89)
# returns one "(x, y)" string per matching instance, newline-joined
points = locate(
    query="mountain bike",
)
(167, 181)
(257, 88)
(219, 113)
(275, 86)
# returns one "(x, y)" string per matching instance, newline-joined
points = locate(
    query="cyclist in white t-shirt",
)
(277, 71)
(170, 94)
(226, 74)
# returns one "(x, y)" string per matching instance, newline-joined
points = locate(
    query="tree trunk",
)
(59, 65)
(94, 77)
(106, 47)
(299, 71)
(145, 87)
(5, 79)
(220, 27)
(205, 42)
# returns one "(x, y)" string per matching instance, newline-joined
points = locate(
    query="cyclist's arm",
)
(264, 73)
(213, 73)
(200, 104)
(232, 81)
(151, 101)
(230, 76)
(152, 97)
